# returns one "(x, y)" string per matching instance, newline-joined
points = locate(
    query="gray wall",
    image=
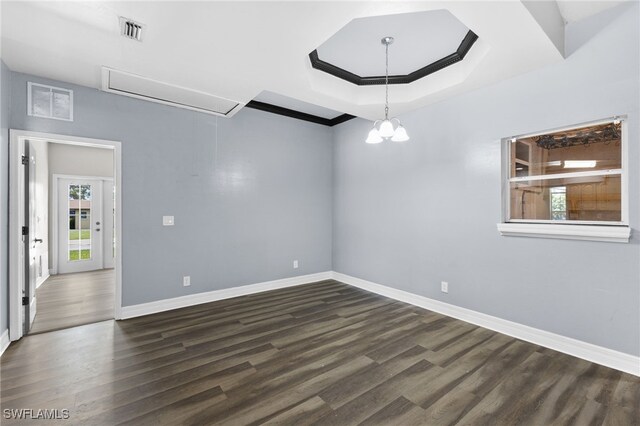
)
(5, 91)
(250, 194)
(411, 215)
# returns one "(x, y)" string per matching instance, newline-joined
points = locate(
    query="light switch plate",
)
(167, 221)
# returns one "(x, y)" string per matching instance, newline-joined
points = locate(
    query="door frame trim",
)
(16, 217)
(16, 221)
(54, 214)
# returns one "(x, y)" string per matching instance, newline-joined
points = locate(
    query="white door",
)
(80, 226)
(30, 238)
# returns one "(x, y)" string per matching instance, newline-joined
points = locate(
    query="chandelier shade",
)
(374, 136)
(400, 135)
(386, 129)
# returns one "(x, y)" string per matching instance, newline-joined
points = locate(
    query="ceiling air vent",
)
(131, 29)
(136, 86)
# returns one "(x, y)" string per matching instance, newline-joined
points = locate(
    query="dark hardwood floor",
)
(324, 353)
(68, 300)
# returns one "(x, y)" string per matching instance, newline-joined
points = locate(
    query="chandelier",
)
(387, 129)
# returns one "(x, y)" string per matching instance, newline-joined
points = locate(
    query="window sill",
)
(611, 234)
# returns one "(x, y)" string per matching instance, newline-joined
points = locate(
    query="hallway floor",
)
(68, 300)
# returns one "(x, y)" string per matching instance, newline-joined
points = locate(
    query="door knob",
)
(97, 223)
(37, 240)
(98, 230)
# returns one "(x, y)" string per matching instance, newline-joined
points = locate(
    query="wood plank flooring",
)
(322, 354)
(68, 300)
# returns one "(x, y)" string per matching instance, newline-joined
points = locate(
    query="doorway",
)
(84, 227)
(65, 267)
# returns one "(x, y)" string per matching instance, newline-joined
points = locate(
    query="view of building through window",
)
(559, 203)
(79, 222)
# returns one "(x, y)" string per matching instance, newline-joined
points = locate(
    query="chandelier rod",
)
(386, 82)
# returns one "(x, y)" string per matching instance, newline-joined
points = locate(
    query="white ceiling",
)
(575, 10)
(419, 40)
(235, 50)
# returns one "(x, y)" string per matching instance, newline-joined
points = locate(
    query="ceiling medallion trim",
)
(457, 56)
(275, 109)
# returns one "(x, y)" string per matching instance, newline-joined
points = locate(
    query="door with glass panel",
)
(80, 227)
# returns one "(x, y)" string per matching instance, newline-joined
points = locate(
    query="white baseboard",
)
(587, 351)
(42, 280)
(211, 296)
(4, 341)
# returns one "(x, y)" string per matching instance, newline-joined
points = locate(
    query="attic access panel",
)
(425, 42)
(139, 87)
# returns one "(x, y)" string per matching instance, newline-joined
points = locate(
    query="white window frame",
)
(610, 231)
(31, 84)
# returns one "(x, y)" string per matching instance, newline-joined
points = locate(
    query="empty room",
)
(320, 213)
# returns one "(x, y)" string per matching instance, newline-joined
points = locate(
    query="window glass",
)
(591, 198)
(558, 202)
(572, 175)
(589, 148)
(79, 232)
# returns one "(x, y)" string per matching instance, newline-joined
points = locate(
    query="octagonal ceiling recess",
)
(424, 42)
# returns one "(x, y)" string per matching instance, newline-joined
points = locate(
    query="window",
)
(573, 176)
(49, 102)
(558, 203)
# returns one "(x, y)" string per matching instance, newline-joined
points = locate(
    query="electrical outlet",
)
(295, 264)
(444, 287)
(186, 281)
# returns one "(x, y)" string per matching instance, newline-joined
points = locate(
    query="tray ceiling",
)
(419, 39)
(235, 50)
